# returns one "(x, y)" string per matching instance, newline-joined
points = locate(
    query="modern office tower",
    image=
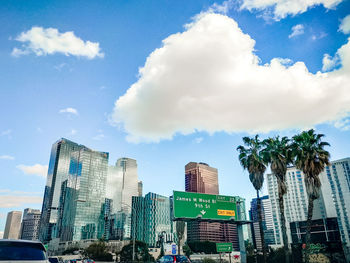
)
(82, 197)
(122, 185)
(58, 172)
(13, 225)
(30, 224)
(267, 222)
(201, 178)
(295, 202)
(151, 219)
(335, 181)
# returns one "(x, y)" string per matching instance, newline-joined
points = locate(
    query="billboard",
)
(204, 206)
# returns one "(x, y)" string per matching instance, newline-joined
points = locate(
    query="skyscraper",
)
(59, 166)
(82, 196)
(335, 181)
(13, 225)
(30, 224)
(295, 202)
(201, 178)
(122, 185)
(267, 222)
(152, 218)
(74, 193)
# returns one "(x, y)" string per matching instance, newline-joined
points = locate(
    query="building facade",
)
(295, 202)
(30, 224)
(122, 185)
(267, 222)
(335, 181)
(13, 225)
(59, 166)
(151, 219)
(201, 178)
(74, 194)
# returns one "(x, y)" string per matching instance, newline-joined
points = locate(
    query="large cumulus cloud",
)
(209, 79)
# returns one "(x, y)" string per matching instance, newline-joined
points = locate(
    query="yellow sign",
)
(226, 212)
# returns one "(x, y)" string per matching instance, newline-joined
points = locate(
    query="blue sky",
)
(199, 75)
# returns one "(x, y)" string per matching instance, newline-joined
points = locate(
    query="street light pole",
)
(134, 233)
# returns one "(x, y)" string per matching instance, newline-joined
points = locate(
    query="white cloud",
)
(10, 201)
(73, 132)
(48, 41)
(329, 62)
(209, 79)
(6, 157)
(36, 169)
(345, 25)
(69, 110)
(282, 8)
(297, 30)
(7, 132)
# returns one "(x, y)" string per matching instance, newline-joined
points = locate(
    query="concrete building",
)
(13, 225)
(30, 224)
(295, 202)
(201, 178)
(335, 181)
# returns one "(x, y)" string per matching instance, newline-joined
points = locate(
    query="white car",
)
(18, 251)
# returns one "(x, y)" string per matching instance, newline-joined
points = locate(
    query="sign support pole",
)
(241, 243)
(229, 256)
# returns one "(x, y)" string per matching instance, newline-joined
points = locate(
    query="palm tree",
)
(251, 159)
(311, 158)
(278, 153)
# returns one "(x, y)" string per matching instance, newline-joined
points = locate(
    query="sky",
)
(166, 83)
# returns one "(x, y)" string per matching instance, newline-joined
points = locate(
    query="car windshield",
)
(21, 251)
(53, 260)
(181, 259)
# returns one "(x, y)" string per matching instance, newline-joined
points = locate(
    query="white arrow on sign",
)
(203, 212)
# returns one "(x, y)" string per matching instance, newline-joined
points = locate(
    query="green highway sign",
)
(223, 247)
(205, 206)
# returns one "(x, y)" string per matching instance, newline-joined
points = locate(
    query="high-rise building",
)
(82, 196)
(74, 194)
(335, 181)
(13, 225)
(59, 167)
(267, 222)
(295, 202)
(30, 224)
(201, 178)
(152, 218)
(122, 185)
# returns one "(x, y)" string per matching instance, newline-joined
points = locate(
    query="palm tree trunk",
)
(261, 226)
(283, 226)
(308, 227)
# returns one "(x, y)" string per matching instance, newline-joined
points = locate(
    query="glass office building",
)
(59, 165)
(122, 185)
(74, 194)
(151, 217)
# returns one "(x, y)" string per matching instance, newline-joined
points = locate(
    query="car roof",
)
(21, 241)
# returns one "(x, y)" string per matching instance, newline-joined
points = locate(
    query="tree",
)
(180, 230)
(141, 253)
(278, 153)
(98, 251)
(251, 159)
(311, 158)
(187, 250)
